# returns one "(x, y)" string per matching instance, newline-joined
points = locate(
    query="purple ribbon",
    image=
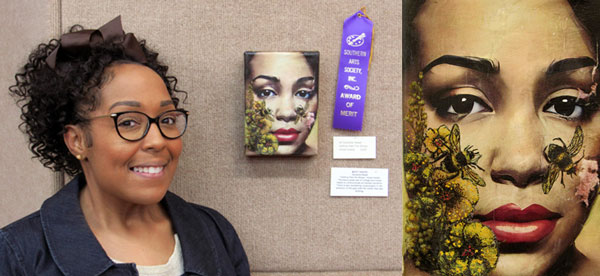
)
(353, 71)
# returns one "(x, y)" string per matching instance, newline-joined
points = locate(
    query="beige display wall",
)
(280, 207)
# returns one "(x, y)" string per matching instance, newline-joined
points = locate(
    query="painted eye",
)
(265, 93)
(456, 107)
(565, 106)
(305, 94)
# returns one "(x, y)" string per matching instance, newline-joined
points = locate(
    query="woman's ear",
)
(74, 137)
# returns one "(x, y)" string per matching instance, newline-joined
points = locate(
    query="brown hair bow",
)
(82, 41)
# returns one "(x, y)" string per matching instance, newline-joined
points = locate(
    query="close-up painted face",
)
(287, 85)
(515, 76)
(139, 171)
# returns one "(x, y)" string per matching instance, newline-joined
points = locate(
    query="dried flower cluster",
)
(258, 123)
(441, 236)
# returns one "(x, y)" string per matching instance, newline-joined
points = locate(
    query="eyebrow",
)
(137, 104)
(165, 103)
(125, 103)
(304, 79)
(270, 78)
(569, 64)
(482, 65)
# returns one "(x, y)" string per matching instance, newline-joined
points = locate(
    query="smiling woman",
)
(98, 105)
(516, 81)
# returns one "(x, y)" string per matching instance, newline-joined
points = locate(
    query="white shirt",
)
(173, 267)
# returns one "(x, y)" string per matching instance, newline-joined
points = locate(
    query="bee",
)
(461, 162)
(561, 159)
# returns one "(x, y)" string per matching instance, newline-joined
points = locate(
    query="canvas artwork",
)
(501, 137)
(281, 92)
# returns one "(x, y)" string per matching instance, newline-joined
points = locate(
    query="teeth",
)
(151, 170)
(517, 229)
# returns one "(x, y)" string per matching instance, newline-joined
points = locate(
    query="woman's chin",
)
(571, 262)
(520, 264)
(290, 149)
(286, 149)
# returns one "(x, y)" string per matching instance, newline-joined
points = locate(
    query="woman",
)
(98, 105)
(287, 84)
(516, 77)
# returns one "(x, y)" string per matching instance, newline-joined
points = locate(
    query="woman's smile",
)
(148, 171)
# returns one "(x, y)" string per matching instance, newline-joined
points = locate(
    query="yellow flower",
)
(477, 267)
(437, 140)
(460, 267)
(459, 196)
(421, 222)
(264, 125)
(490, 254)
(267, 145)
(249, 96)
(476, 253)
(416, 171)
(258, 105)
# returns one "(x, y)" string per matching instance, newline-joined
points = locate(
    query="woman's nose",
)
(285, 110)
(153, 140)
(517, 158)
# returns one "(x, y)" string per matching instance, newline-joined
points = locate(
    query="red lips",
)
(513, 225)
(286, 135)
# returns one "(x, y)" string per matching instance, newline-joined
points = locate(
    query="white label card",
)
(359, 182)
(354, 147)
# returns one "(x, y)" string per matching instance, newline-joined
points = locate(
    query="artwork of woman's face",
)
(510, 109)
(286, 83)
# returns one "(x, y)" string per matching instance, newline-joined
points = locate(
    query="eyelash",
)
(308, 94)
(267, 93)
(450, 107)
(565, 106)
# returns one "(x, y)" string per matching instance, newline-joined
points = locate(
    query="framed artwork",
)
(281, 103)
(501, 136)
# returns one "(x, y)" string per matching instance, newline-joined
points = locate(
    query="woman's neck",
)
(106, 211)
(141, 234)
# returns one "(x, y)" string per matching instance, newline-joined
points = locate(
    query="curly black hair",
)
(50, 98)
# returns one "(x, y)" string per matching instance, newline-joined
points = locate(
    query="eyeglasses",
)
(134, 125)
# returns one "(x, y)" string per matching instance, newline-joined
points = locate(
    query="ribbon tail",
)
(133, 49)
(113, 30)
(51, 59)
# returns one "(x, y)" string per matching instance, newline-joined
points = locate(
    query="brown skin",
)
(510, 124)
(121, 206)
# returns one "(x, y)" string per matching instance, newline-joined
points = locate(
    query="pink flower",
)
(310, 119)
(582, 95)
(585, 95)
(588, 179)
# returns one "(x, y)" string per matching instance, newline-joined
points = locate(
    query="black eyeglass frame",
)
(154, 120)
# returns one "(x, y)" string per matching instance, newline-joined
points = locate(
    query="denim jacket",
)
(56, 240)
